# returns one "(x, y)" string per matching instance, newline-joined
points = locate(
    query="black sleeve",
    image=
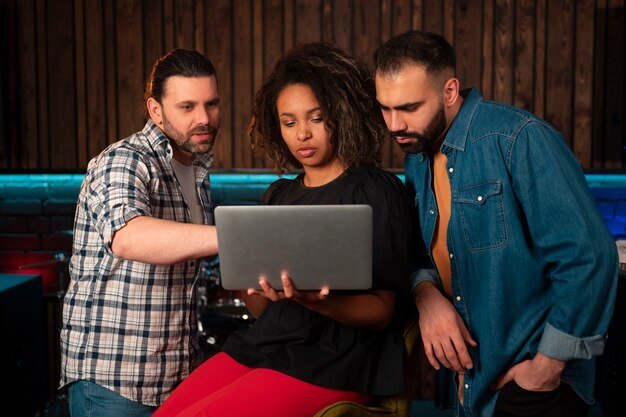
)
(393, 223)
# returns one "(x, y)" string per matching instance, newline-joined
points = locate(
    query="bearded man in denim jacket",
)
(523, 289)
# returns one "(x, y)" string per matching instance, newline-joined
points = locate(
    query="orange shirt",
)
(439, 244)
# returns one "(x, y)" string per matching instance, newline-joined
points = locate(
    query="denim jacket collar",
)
(460, 128)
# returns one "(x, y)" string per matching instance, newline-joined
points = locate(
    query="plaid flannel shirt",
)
(129, 326)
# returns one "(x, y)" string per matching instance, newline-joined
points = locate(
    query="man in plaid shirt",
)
(142, 222)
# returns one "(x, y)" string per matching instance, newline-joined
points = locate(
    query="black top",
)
(301, 343)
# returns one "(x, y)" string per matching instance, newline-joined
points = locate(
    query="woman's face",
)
(302, 125)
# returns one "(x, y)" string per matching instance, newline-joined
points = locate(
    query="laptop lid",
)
(316, 245)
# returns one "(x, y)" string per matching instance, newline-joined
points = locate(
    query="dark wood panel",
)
(614, 124)
(62, 85)
(10, 145)
(42, 87)
(289, 36)
(432, 16)
(486, 84)
(417, 15)
(307, 21)
(583, 82)
(524, 54)
(199, 26)
(184, 24)
(342, 24)
(540, 58)
(110, 65)
(96, 139)
(74, 71)
(504, 37)
(404, 14)
(327, 21)
(467, 42)
(273, 46)
(366, 31)
(153, 42)
(27, 85)
(448, 20)
(169, 30)
(130, 73)
(242, 72)
(81, 87)
(559, 64)
(258, 73)
(219, 43)
(599, 85)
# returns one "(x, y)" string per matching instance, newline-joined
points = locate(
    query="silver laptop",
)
(316, 245)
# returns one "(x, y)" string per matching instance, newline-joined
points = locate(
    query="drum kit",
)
(219, 311)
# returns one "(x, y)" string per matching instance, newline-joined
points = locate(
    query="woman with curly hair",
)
(308, 349)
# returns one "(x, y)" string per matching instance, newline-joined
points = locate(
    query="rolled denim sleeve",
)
(562, 346)
(419, 275)
(571, 237)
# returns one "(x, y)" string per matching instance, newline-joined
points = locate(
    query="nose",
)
(304, 133)
(395, 121)
(203, 115)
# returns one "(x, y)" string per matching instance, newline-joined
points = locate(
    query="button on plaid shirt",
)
(130, 326)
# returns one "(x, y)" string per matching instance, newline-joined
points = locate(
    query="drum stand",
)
(56, 405)
(219, 312)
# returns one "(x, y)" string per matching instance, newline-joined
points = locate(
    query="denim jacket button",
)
(451, 170)
(458, 298)
(431, 211)
(480, 198)
(466, 386)
(451, 256)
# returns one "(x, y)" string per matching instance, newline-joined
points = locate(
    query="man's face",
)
(189, 114)
(413, 108)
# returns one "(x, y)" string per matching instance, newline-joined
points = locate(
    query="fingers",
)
(504, 379)
(288, 288)
(268, 291)
(324, 293)
(432, 359)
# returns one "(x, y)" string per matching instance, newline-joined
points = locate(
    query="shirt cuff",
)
(425, 275)
(118, 219)
(565, 347)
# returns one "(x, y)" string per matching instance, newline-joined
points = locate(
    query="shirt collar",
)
(459, 130)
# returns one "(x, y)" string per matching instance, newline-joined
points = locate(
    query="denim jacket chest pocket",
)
(481, 210)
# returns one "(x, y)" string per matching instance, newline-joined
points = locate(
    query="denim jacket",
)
(534, 268)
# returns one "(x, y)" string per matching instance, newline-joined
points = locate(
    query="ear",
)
(155, 111)
(451, 92)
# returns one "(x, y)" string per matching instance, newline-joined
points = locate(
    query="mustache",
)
(199, 130)
(405, 134)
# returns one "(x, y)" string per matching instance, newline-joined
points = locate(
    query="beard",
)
(429, 139)
(183, 141)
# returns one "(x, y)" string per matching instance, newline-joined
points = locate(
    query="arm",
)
(157, 241)
(444, 334)
(372, 309)
(121, 196)
(579, 253)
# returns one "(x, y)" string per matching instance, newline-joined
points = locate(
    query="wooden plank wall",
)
(72, 71)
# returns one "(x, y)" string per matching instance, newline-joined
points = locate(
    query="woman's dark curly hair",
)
(346, 93)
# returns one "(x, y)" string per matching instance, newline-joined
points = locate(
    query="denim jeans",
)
(88, 399)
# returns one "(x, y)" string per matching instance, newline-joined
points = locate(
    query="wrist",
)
(550, 365)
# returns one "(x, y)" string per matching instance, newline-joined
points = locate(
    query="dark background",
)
(72, 71)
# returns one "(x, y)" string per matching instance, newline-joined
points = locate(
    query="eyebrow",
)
(215, 100)
(308, 112)
(404, 106)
